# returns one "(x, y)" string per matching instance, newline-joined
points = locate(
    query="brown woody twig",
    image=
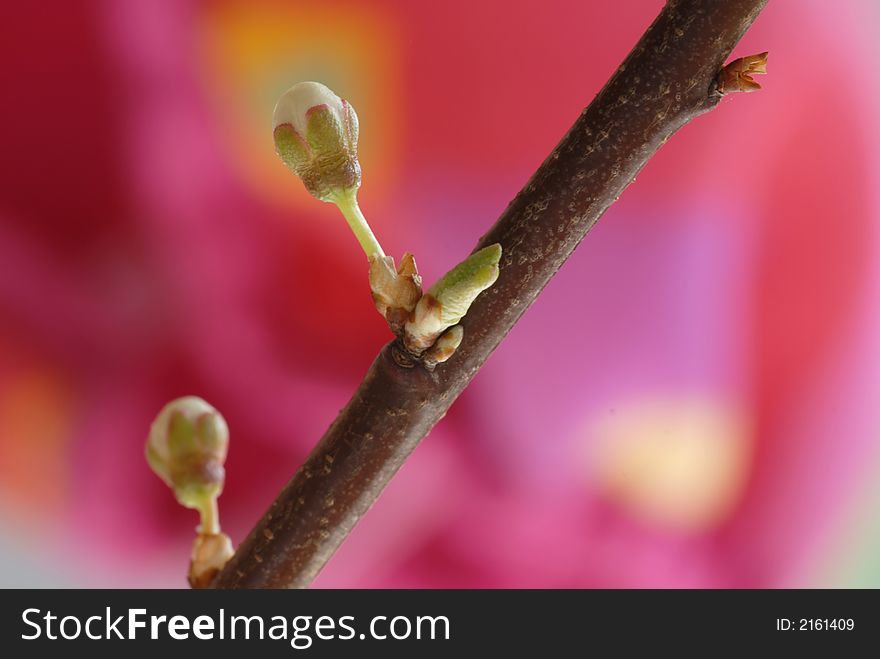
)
(671, 76)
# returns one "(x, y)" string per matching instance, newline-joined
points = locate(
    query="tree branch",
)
(668, 79)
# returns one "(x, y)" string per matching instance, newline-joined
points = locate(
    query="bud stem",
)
(347, 203)
(210, 515)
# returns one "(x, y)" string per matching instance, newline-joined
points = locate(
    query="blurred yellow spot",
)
(678, 464)
(35, 414)
(252, 52)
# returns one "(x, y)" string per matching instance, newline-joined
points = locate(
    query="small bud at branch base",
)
(444, 347)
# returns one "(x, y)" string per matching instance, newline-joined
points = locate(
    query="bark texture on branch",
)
(667, 80)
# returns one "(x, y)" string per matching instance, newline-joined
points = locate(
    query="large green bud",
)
(447, 302)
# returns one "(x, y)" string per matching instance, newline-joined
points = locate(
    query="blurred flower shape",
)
(186, 448)
(678, 464)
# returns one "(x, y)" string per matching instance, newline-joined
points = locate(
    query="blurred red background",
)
(691, 403)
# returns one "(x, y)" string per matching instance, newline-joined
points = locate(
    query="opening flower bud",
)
(447, 302)
(186, 448)
(316, 135)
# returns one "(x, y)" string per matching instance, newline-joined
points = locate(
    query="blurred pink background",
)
(693, 401)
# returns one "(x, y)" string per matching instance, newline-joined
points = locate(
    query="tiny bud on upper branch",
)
(737, 76)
